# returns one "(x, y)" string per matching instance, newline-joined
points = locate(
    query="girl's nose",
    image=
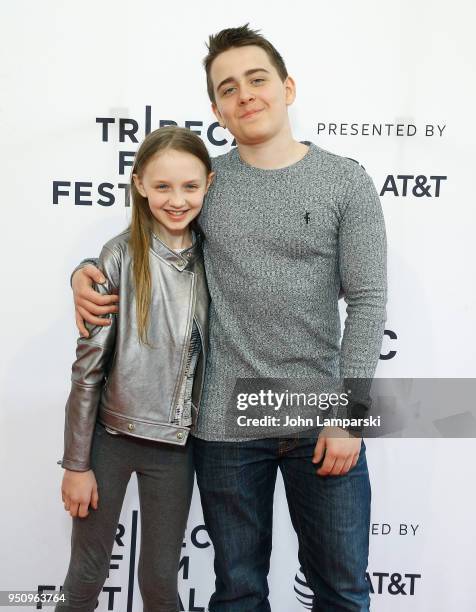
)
(177, 199)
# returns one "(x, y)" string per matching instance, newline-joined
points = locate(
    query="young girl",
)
(136, 383)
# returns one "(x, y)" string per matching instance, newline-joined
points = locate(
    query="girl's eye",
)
(161, 187)
(192, 186)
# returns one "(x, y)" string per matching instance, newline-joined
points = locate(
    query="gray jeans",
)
(165, 481)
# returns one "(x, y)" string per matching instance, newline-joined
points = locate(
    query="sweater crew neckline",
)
(296, 166)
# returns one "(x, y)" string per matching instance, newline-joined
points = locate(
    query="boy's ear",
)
(138, 184)
(218, 115)
(290, 89)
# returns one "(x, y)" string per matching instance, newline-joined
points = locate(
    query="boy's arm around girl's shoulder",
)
(88, 373)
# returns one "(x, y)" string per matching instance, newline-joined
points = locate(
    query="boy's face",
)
(251, 99)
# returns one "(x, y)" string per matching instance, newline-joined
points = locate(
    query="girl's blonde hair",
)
(176, 139)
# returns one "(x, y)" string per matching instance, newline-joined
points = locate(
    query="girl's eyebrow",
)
(192, 180)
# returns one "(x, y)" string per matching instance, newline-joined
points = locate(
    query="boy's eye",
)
(227, 91)
(258, 80)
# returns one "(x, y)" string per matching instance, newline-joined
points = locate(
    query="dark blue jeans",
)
(331, 517)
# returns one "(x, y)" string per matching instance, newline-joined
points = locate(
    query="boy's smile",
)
(251, 113)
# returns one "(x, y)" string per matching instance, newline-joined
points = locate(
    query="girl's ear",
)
(139, 185)
(210, 178)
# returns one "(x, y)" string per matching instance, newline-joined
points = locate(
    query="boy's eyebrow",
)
(247, 73)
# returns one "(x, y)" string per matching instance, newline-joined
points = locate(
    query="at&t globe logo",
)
(303, 593)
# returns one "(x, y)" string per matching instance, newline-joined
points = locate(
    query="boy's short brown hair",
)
(239, 37)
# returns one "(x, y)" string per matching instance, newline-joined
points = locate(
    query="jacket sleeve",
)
(362, 264)
(89, 371)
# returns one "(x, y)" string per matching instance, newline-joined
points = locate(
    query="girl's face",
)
(174, 183)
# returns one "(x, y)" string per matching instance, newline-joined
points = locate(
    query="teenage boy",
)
(288, 226)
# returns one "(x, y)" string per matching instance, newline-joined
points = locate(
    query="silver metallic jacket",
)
(128, 386)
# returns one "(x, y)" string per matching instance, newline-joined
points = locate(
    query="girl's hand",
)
(79, 490)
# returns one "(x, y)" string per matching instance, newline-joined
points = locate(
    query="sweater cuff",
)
(359, 404)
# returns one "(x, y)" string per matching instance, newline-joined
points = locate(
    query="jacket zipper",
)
(184, 353)
(204, 358)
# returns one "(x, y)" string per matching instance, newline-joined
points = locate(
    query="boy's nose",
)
(246, 96)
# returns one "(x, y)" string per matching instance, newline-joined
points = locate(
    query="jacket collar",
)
(179, 261)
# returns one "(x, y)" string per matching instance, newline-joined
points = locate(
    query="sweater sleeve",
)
(89, 371)
(362, 264)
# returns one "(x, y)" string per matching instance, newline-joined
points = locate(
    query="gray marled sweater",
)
(279, 246)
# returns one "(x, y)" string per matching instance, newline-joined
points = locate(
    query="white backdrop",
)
(409, 64)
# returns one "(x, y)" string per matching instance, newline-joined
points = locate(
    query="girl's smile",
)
(177, 215)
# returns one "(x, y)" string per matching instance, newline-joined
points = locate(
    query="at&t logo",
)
(380, 583)
(303, 593)
(419, 186)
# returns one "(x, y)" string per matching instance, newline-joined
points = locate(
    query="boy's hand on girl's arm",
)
(339, 449)
(79, 490)
(88, 303)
